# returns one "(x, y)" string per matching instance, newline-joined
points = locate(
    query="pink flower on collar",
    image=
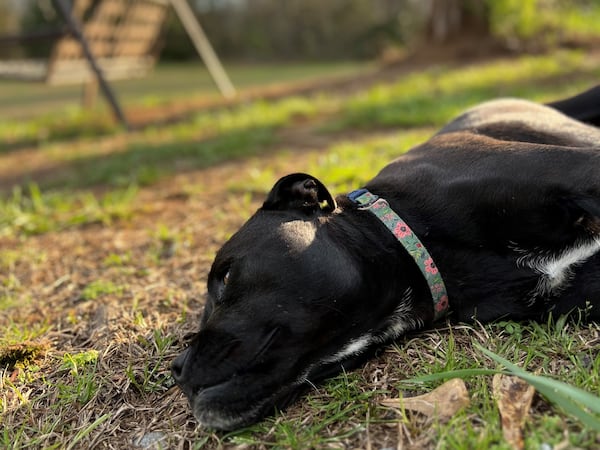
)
(430, 266)
(442, 304)
(401, 231)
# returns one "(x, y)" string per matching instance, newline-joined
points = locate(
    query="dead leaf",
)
(513, 397)
(443, 402)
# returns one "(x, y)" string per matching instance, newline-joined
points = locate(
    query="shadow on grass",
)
(144, 164)
(56, 127)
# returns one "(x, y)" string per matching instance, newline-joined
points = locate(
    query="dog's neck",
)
(381, 209)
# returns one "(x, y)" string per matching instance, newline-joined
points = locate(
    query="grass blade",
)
(87, 430)
(462, 373)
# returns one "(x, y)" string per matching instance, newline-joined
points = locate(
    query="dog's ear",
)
(302, 192)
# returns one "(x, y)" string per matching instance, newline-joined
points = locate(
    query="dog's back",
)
(507, 184)
(519, 120)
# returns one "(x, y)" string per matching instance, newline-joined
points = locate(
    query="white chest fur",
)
(557, 269)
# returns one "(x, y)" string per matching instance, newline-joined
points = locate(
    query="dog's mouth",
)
(243, 400)
(227, 389)
(265, 384)
(218, 407)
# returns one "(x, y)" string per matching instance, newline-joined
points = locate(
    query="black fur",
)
(307, 287)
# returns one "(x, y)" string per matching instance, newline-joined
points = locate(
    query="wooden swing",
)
(109, 40)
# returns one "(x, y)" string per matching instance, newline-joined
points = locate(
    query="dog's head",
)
(287, 305)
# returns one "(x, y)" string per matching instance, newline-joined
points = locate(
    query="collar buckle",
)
(363, 198)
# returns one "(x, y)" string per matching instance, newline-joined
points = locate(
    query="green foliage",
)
(117, 260)
(545, 353)
(518, 18)
(74, 362)
(78, 391)
(578, 403)
(66, 124)
(16, 333)
(542, 23)
(436, 95)
(296, 29)
(340, 29)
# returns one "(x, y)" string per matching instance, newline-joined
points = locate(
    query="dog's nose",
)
(177, 366)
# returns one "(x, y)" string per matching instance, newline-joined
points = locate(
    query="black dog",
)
(505, 199)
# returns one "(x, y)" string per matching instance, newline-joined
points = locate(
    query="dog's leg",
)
(584, 107)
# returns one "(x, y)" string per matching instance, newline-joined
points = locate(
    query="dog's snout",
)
(202, 363)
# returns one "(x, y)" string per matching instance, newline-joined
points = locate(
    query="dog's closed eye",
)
(225, 279)
(221, 283)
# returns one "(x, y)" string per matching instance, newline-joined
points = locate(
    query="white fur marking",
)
(400, 322)
(401, 319)
(299, 234)
(354, 347)
(557, 269)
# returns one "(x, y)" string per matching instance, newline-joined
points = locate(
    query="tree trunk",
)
(445, 19)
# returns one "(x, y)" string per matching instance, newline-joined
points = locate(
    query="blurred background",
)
(267, 42)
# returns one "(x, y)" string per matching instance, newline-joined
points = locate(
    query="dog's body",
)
(506, 198)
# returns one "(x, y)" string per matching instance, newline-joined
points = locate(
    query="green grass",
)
(87, 333)
(30, 211)
(99, 288)
(438, 94)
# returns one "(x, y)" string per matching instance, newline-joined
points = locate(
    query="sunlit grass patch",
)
(16, 333)
(343, 166)
(117, 260)
(204, 139)
(257, 114)
(550, 349)
(347, 165)
(33, 211)
(435, 95)
(75, 361)
(8, 301)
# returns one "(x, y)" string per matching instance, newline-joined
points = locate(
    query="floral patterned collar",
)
(381, 208)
